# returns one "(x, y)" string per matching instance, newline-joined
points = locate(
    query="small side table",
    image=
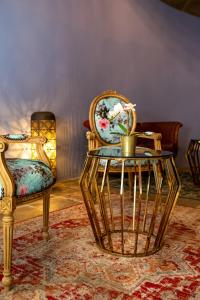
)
(130, 222)
(193, 156)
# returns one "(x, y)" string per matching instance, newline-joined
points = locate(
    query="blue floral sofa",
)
(21, 180)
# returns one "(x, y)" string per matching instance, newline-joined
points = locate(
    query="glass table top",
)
(195, 141)
(116, 152)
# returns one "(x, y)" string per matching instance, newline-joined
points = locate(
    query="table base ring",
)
(106, 248)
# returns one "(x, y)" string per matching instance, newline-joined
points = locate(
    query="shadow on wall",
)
(17, 111)
(16, 118)
(176, 36)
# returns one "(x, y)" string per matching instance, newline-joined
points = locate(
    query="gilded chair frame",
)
(95, 141)
(107, 94)
(9, 202)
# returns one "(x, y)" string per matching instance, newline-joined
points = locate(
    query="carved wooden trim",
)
(42, 154)
(29, 139)
(38, 140)
(8, 222)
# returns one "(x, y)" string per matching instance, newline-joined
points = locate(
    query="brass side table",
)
(193, 157)
(130, 222)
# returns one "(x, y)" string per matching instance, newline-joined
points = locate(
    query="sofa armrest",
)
(154, 137)
(169, 131)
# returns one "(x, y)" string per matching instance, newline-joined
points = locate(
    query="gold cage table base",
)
(129, 220)
(193, 157)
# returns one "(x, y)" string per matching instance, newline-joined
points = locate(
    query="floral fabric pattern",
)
(15, 136)
(104, 126)
(115, 151)
(128, 163)
(30, 176)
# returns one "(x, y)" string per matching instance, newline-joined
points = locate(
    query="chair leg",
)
(130, 183)
(96, 189)
(157, 169)
(8, 222)
(46, 202)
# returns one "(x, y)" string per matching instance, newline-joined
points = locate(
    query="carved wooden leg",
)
(46, 201)
(8, 221)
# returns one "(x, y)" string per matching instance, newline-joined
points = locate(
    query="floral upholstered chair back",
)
(107, 129)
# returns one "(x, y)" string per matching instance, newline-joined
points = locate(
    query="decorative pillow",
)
(104, 126)
(30, 176)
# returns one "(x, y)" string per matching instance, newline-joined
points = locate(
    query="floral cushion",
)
(15, 136)
(104, 125)
(128, 163)
(30, 176)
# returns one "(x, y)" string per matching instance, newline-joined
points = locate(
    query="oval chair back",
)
(107, 130)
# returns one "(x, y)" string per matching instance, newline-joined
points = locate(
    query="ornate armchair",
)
(169, 131)
(101, 135)
(21, 180)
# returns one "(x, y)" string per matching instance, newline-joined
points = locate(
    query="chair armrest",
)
(93, 142)
(23, 138)
(7, 181)
(169, 131)
(156, 137)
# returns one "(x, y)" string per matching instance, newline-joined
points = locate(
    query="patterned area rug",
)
(188, 188)
(70, 266)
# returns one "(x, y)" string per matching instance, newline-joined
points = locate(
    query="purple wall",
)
(58, 55)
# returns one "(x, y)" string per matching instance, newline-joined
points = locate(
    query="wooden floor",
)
(64, 194)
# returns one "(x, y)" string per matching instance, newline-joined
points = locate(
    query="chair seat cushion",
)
(128, 163)
(30, 176)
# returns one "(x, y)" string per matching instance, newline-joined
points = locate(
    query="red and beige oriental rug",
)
(70, 266)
